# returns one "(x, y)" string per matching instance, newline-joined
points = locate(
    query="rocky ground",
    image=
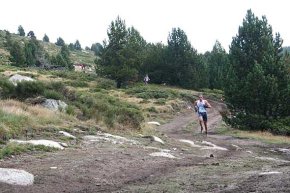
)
(188, 161)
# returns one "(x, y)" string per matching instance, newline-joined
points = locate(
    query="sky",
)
(203, 21)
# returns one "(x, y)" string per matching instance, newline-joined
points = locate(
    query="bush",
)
(244, 121)
(7, 89)
(58, 86)
(14, 123)
(105, 83)
(147, 92)
(78, 83)
(26, 89)
(110, 110)
(70, 110)
(281, 126)
(51, 94)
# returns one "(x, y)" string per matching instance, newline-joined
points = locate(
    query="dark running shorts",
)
(203, 115)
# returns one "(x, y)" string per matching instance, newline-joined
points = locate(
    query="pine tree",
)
(60, 42)
(17, 55)
(218, 63)
(31, 34)
(185, 67)
(258, 86)
(120, 59)
(21, 31)
(77, 45)
(97, 48)
(65, 53)
(45, 38)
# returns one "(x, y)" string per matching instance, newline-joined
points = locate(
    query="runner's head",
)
(200, 96)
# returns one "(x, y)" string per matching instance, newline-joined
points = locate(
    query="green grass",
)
(152, 92)
(16, 149)
(83, 57)
(15, 124)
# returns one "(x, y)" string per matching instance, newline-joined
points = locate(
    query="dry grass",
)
(38, 115)
(265, 136)
(257, 135)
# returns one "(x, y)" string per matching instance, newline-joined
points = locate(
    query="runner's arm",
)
(207, 104)
(195, 106)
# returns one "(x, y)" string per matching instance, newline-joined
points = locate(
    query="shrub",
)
(14, 122)
(78, 83)
(244, 121)
(51, 94)
(110, 110)
(70, 110)
(26, 89)
(105, 83)
(58, 86)
(7, 89)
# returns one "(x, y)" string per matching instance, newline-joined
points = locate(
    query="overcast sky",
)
(203, 21)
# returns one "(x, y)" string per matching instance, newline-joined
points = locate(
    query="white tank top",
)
(200, 105)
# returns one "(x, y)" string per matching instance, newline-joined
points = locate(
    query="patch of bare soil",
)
(211, 163)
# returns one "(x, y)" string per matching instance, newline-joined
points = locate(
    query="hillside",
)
(140, 138)
(83, 56)
(180, 159)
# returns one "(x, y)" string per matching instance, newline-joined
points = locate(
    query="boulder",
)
(19, 78)
(54, 104)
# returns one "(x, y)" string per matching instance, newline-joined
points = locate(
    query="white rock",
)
(67, 134)
(157, 139)
(269, 173)
(156, 148)
(115, 139)
(191, 143)
(213, 146)
(237, 147)
(283, 150)
(154, 123)
(16, 177)
(44, 142)
(162, 154)
(19, 78)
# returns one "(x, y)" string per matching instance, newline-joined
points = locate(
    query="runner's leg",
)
(200, 122)
(204, 117)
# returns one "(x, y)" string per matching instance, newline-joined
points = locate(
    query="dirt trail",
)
(212, 163)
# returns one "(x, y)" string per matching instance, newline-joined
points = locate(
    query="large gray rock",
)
(54, 104)
(19, 78)
(16, 177)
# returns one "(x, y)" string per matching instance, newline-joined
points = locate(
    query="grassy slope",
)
(97, 100)
(86, 57)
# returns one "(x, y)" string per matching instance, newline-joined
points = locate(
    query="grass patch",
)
(16, 149)
(17, 117)
(109, 110)
(152, 92)
(263, 136)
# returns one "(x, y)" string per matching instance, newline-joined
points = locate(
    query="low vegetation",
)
(109, 93)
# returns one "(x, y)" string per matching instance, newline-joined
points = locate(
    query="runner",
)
(200, 106)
